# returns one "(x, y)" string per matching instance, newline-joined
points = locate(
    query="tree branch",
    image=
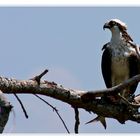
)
(54, 109)
(22, 106)
(38, 77)
(114, 90)
(80, 99)
(77, 122)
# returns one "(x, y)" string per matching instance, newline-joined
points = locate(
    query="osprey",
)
(120, 61)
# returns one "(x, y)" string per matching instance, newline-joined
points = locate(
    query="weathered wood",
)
(88, 100)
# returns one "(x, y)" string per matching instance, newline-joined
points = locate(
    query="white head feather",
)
(120, 22)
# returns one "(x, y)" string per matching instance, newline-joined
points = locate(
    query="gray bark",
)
(88, 100)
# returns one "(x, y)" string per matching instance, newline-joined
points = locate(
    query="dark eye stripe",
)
(112, 23)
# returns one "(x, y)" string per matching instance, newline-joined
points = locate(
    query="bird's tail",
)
(99, 118)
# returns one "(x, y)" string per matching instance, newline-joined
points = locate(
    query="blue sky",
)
(68, 42)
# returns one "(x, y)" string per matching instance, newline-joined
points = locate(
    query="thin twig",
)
(38, 77)
(22, 106)
(128, 103)
(124, 99)
(54, 109)
(77, 122)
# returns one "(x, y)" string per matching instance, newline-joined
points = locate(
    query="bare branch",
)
(54, 109)
(110, 91)
(77, 122)
(22, 106)
(80, 99)
(38, 77)
(128, 103)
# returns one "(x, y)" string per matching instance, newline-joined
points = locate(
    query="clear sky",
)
(68, 42)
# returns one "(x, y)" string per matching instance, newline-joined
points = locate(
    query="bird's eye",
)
(112, 23)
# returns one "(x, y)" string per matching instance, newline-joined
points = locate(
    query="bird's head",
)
(114, 25)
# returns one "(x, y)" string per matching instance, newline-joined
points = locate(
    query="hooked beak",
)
(106, 25)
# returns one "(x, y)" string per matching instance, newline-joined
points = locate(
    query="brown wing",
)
(134, 67)
(106, 66)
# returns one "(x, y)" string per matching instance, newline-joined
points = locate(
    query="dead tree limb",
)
(80, 99)
(114, 90)
(77, 121)
(54, 109)
(38, 77)
(22, 106)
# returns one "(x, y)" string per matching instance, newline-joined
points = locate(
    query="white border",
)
(69, 3)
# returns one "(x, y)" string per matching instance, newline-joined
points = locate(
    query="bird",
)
(120, 61)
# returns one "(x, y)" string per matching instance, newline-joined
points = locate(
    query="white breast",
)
(120, 70)
(120, 63)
